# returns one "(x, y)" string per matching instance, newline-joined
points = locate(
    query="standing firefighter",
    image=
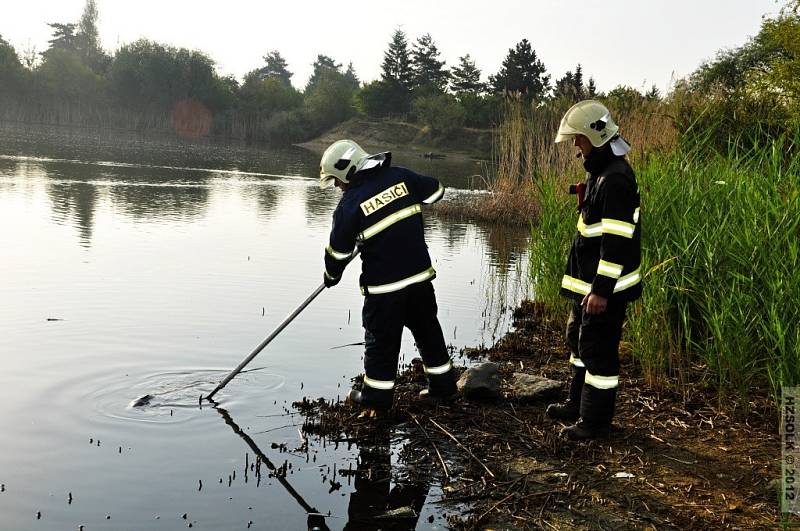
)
(602, 274)
(381, 211)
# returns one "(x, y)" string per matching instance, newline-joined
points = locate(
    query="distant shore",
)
(386, 135)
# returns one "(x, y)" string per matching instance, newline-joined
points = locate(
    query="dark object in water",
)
(51, 319)
(432, 155)
(142, 401)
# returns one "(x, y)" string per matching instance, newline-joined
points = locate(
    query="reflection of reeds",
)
(503, 279)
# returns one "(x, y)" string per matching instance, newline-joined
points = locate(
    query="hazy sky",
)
(630, 42)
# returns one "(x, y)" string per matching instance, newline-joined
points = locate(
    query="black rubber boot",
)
(571, 409)
(354, 397)
(426, 397)
(597, 410)
(581, 431)
(368, 409)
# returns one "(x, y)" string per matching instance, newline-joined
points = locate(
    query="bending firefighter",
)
(381, 211)
(602, 274)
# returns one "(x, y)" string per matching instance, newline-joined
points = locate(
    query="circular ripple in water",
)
(173, 393)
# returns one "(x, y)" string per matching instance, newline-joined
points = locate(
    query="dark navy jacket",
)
(606, 252)
(381, 210)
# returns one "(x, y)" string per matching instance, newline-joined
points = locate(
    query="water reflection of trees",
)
(319, 205)
(505, 244)
(168, 196)
(75, 201)
(507, 255)
(73, 196)
(268, 195)
(504, 266)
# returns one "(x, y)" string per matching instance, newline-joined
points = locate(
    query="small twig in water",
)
(439, 455)
(462, 446)
(493, 507)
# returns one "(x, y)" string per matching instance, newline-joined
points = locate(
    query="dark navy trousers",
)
(384, 318)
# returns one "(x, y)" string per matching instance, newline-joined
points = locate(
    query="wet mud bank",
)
(673, 460)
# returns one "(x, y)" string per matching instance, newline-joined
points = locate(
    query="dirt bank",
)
(404, 137)
(673, 460)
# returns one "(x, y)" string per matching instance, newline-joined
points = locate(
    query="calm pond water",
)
(135, 266)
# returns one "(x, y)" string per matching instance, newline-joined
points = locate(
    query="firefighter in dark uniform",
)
(603, 270)
(381, 212)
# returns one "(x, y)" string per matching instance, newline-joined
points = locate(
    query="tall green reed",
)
(721, 255)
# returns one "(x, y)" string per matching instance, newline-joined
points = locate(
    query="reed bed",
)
(721, 252)
(523, 152)
(232, 124)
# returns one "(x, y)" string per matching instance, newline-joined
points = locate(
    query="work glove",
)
(330, 282)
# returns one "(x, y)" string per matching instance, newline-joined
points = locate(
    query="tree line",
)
(76, 81)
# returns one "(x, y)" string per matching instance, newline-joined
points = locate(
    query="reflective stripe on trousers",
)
(379, 384)
(601, 382)
(441, 369)
(384, 318)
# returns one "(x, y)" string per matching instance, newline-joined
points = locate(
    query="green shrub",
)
(442, 113)
(382, 98)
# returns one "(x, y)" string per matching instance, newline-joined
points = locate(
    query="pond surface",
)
(139, 265)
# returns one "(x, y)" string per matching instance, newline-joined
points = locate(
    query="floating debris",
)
(335, 485)
(142, 401)
(400, 512)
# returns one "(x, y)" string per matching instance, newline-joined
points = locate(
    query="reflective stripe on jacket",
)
(381, 211)
(606, 253)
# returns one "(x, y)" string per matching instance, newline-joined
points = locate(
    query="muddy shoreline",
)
(674, 460)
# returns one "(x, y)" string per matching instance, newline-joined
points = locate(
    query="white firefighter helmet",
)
(340, 161)
(589, 118)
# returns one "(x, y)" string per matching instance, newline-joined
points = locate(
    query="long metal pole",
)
(270, 337)
(266, 341)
